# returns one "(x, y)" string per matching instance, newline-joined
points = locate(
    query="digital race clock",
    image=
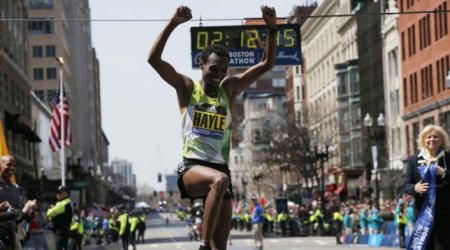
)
(246, 43)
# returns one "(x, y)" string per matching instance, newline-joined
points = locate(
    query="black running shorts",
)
(187, 164)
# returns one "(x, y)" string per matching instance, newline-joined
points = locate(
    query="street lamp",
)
(284, 167)
(321, 157)
(368, 123)
(257, 177)
(244, 184)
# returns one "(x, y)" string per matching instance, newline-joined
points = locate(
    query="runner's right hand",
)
(181, 15)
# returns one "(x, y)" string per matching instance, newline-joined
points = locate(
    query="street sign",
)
(375, 158)
(281, 205)
(79, 184)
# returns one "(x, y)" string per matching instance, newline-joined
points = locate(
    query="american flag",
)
(55, 128)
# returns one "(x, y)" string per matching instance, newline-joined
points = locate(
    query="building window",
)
(405, 91)
(442, 69)
(424, 32)
(37, 51)
(50, 51)
(415, 128)
(278, 82)
(403, 46)
(52, 95)
(38, 74)
(444, 120)
(41, 4)
(441, 21)
(427, 82)
(428, 121)
(39, 27)
(51, 73)
(40, 94)
(354, 80)
(342, 84)
(257, 136)
(393, 64)
(440, 86)
(413, 88)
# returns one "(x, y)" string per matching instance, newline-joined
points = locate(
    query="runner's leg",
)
(202, 181)
(222, 232)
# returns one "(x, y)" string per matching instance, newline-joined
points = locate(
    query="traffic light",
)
(256, 136)
(155, 193)
(170, 193)
(159, 177)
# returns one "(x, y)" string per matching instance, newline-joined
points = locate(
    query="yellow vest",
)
(338, 216)
(123, 219)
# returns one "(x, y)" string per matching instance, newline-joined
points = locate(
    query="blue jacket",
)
(258, 214)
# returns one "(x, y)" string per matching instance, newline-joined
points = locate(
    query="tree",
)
(145, 193)
(290, 147)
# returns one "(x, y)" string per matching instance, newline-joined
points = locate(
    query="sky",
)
(140, 114)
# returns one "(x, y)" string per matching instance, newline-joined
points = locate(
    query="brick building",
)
(425, 63)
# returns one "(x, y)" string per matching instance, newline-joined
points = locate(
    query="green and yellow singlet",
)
(206, 127)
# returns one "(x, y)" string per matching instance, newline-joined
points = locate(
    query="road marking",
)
(154, 245)
(321, 242)
(298, 241)
(273, 240)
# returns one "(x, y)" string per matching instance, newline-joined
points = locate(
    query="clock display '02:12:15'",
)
(242, 38)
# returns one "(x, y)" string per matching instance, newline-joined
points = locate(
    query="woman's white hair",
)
(433, 128)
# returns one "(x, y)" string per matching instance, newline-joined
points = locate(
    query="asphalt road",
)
(174, 236)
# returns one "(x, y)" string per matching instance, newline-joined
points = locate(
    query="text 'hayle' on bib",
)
(209, 120)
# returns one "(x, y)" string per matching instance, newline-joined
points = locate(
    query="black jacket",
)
(8, 228)
(442, 185)
(61, 216)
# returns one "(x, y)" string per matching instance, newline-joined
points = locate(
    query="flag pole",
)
(61, 120)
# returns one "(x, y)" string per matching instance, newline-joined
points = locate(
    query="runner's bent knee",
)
(220, 182)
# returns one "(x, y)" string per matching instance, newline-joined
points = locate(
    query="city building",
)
(125, 170)
(15, 91)
(263, 111)
(395, 128)
(295, 83)
(425, 64)
(320, 53)
(272, 82)
(172, 186)
(53, 33)
(348, 94)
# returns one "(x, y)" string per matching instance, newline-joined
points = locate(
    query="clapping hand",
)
(29, 206)
(4, 206)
